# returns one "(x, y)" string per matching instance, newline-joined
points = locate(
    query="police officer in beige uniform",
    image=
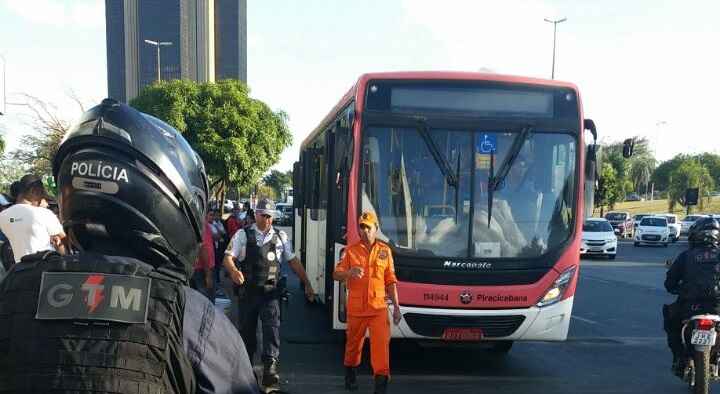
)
(252, 260)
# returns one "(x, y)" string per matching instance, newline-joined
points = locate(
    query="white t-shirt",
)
(29, 228)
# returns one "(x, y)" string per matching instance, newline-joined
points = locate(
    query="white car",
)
(688, 221)
(653, 230)
(598, 238)
(674, 226)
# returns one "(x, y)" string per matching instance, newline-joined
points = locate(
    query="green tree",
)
(711, 161)
(641, 169)
(691, 173)
(10, 171)
(661, 175)
(266, 191)
(239, 138)
(278, 180)
(39, 147)
(608, 191)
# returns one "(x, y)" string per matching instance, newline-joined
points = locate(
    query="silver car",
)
(688, 221)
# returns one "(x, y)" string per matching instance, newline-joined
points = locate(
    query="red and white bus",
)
(478, 181)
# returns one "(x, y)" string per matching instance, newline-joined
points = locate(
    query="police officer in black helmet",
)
(118, 316)
(695, 277)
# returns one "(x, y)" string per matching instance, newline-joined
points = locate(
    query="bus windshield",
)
(425, 211)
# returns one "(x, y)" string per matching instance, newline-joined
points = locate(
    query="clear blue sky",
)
(643, 67)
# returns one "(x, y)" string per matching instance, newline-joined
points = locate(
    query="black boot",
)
(381, 382)
(351, 378)
(271, 378)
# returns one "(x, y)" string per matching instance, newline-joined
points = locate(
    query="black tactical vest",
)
(261, 267)
(701, 279)
(39, 354)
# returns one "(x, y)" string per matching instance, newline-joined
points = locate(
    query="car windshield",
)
(691, 218)
(597, 226)
(422, 212)
(640, 216)
(654, 222)
(671, 219)
(616, 216)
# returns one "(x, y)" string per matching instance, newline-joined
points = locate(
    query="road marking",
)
(599, 280)
(582, 319)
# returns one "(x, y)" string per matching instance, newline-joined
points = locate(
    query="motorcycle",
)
(699, 338)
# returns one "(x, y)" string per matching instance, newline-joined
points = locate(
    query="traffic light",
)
(691, 196)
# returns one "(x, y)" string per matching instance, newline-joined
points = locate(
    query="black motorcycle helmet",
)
(705, 232)
(130, 185)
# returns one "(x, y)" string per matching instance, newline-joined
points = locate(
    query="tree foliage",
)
(239, 138)
(39, 147)
(266, 191)
(690, 174)
(278, 181)
(608, 191)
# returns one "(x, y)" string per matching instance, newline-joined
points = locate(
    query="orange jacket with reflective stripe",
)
(367, 294)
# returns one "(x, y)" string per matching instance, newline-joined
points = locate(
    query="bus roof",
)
(359, 86)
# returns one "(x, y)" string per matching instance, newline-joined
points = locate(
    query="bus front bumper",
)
(550, 323)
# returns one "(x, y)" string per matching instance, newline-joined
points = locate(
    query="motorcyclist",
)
(695, 277)
(118, 316)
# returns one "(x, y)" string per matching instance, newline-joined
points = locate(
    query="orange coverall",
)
(366, 305)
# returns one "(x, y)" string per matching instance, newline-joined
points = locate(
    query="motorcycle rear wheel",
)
(702, 372)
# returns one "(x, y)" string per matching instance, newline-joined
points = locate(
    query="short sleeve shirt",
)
(236, 247)
(209, 246)
(367, 294)
(29, 228)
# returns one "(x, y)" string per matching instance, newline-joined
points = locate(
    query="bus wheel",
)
(501, 347)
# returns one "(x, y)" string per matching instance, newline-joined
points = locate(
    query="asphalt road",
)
(616, 343)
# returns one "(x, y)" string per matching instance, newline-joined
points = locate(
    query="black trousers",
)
(267, 307)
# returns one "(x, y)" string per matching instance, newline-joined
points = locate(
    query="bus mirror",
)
(628, 146)
(589, 125)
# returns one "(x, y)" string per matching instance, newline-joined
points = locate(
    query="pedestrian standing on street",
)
(252, 260)
(29, 227)
(118, 316)
(367, 268)
(234, 222)
(203, 270)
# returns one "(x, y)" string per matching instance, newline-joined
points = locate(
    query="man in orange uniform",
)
(367, 268)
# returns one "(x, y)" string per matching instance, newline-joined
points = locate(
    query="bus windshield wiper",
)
(495, 181)
(440, 159)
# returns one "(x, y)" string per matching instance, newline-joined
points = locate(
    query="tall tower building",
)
(200, 40)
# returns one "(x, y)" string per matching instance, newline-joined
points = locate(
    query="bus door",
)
(315, 220)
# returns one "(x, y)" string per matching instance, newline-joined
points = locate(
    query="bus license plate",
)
(703, 337)
(462, 334)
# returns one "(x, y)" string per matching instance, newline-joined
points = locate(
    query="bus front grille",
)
(435, 325)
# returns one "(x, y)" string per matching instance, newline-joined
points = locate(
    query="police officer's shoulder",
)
(281, 233)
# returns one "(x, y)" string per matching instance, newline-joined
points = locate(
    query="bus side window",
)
(318, 176)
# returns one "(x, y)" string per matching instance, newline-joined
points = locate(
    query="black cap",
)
(29, 181)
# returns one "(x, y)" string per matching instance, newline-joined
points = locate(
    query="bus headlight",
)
(556, 291)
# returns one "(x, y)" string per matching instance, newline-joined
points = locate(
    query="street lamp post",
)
(157, 45)
(555, 23)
